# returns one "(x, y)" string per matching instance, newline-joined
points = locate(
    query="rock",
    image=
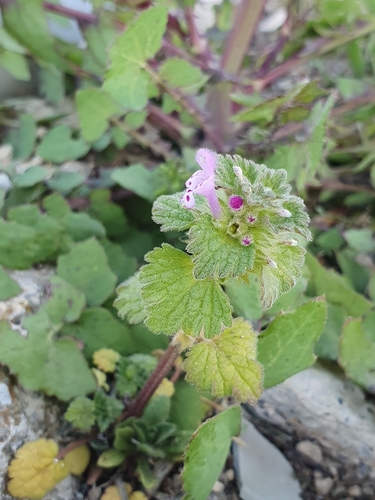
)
(262, 470)
(323, 485)
(355, 491)
(218, 487)
(311, 450)
(329, 409)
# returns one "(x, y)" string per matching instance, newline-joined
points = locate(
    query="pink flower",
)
(202, 182)
(235, 202)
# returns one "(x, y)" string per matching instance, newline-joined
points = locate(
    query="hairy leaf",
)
(129, 302)
(176, 300)
(170, 214)
(65, 303)
(226, 365)
(80, 413)
(231, 258)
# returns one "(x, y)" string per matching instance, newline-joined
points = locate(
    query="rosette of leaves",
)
(152, 435)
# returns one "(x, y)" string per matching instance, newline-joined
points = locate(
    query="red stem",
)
(165, 364)
(81, 17)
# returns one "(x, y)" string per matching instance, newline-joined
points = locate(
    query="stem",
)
(324, 46)
(76, 444)
(187, 105)
(172, 127)
(81, 17)
(247, 17)
(164, 365)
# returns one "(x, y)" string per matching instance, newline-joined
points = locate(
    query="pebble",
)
(230, 474)
(355, 491)
(311, 450)
(5, 397)
(218, 487)
(323, 485)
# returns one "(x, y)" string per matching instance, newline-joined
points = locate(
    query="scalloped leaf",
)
(42, 363)
(80, 413)
(231, 259)
(170, 214)
(226, 365)
(35, 471)
(129, 302)
(175, 300)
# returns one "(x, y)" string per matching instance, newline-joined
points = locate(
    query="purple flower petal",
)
(206, 159)
(196, 179)
(235, 202)
(188, 199)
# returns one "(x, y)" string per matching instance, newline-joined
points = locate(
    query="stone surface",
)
(323, 485)
(326, 408)
(311, 450)
(263, 473)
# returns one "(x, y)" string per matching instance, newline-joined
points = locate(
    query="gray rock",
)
(311, 450)
(328, 409)
(262, 470)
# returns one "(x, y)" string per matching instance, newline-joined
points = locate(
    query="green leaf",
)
(361, 240)
(16, 64)
(122, 265)
(57, 145)
(180, 73)
(244, 297)
(132, 373)
(286, 301)
(49, 233)
(23, 139)
(176, 300)
(357, 275)
(145, 183)
(111, 458)
(86, 267)
(94, 108)
(31, 176)
(27, 23)
(8, 287)
(65, 304)
(108, 213)
(327, 346)
(135, 119)
(18, 245)
(226, 365)
(107, 409)
(187, 408)
(65, 182)
(231, 258)
(125, 81)
(357, 354)
(80, 413)
(52, 84)
(142, 38)
(93, 329)
(41, 363)
(286, 346)
(128, 87)
(157, 410)
(207, 452)
(336, 289)
(170, 214)
(129, 302)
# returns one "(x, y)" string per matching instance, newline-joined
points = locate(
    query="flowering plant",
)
(240, 221)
